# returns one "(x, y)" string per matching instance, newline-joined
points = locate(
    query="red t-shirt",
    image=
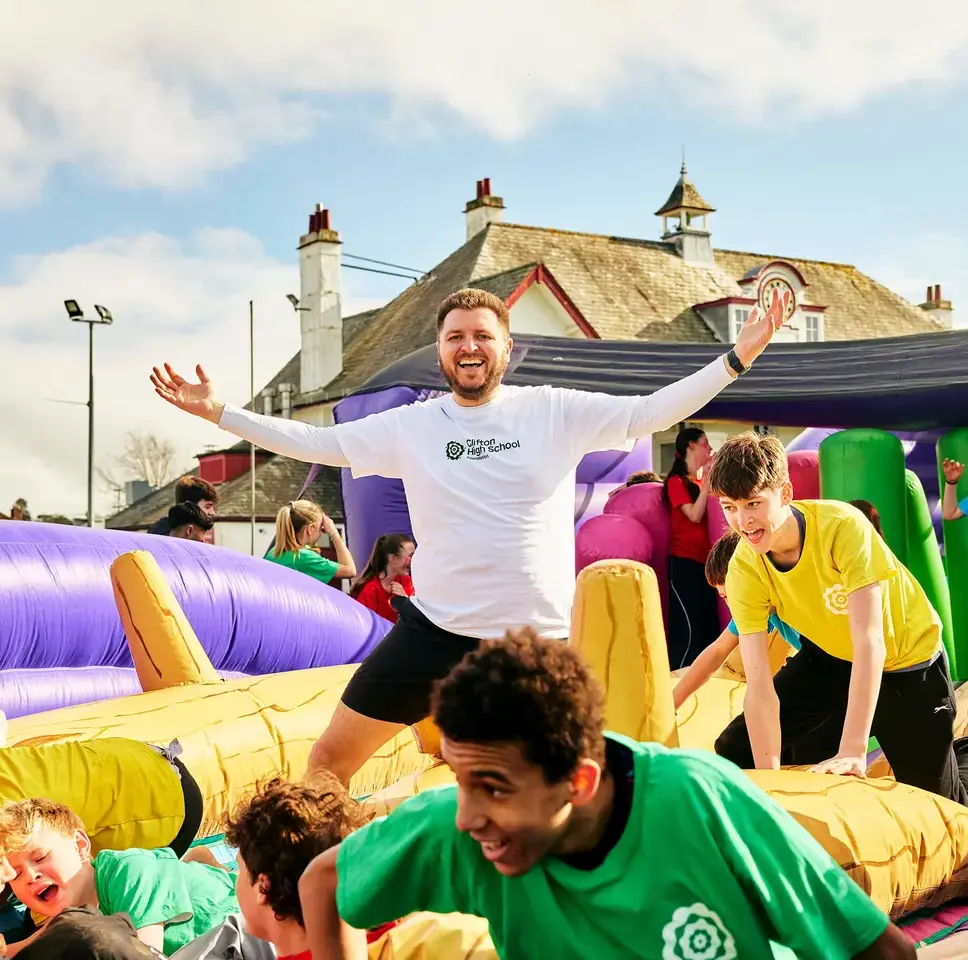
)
(305, 955)
(378, 600)
(689, 540)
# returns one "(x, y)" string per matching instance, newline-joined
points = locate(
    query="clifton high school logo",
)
(455, 450)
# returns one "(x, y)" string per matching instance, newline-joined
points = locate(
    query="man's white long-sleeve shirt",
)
(491, 488)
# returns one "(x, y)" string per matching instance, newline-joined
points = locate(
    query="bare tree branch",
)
(144, 457)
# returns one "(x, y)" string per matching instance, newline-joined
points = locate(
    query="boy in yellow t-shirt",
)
(873, 663)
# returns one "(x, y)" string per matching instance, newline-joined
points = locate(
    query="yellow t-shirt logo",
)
(835, 598)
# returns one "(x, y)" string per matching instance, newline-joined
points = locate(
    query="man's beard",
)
(490, 383)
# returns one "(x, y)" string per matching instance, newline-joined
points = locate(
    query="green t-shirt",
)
(708, 868)
(306, 561)
(154, 886)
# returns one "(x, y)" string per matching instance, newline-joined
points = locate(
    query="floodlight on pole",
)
(104, 318)
(294, 300)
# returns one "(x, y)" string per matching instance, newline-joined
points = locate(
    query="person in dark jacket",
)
(190, 489)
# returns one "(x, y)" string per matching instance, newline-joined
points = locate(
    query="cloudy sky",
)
(163, 159)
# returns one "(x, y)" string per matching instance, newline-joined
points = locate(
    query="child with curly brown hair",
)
(278, 833)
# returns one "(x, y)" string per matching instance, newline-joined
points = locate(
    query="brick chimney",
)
(320, 310)
(938, 308)
(483, 209)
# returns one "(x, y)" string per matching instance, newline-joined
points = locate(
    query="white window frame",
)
(812, 323)
(738, 318)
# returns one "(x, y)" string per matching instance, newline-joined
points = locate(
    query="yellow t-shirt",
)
(842, 552)
(126, 793)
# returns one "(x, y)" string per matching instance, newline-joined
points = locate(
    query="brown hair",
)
(290, 520)
(643, 476)
(870, 511)
(18, 821)
(523, 689)
(284, 826)
(472, 299)
(746, 464)
(717, 561)
(386, 546)
(192, 489)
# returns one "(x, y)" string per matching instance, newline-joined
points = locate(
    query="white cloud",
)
(158, 95)
(184, 303)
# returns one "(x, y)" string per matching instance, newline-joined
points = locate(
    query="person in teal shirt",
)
(578, 844)
(300, 524)
(50, 869)
(715, 655)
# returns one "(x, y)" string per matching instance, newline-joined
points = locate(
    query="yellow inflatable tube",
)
(165, 650)
(232, 733)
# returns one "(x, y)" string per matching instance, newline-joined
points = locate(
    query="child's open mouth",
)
(754, 536)
(48, 894)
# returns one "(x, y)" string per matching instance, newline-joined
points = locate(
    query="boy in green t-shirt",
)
(577, 844)
(47, 856)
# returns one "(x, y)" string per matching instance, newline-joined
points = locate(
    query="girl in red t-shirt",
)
(693, 608)
(386, 575)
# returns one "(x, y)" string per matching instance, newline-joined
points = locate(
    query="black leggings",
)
(693, 612)
(913, 721)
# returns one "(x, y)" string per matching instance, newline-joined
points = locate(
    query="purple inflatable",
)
(57, 614)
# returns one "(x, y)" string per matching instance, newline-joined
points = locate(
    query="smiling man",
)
(874, 661)
(574, 843)
(489, 474)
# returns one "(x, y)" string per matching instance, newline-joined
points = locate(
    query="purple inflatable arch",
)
(61, 639)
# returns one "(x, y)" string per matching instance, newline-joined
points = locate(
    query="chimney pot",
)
(487, 186)
(480, 189)
(324, 219)
(937, 293)
(928, 295)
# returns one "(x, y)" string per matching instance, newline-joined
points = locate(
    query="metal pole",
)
(90, 424)
(252, 445)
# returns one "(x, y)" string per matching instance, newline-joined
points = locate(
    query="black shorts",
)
(913, 721)
(394, 683)
(194, 808)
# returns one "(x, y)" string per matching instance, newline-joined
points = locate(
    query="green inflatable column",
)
(954, 446)
(924, 562)
(868, 465)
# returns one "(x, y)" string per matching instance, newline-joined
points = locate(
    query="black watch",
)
(735, 364)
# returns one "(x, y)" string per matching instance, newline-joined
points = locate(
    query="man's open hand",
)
(195, 398)
(759, 329)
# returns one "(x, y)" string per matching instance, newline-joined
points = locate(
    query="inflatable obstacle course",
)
(905, 847)
(232, 733)
(870, 465)
(954, 446)
(63, 641)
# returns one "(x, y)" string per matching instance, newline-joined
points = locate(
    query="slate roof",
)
(277, 481)
(628, 289)
(144, 512)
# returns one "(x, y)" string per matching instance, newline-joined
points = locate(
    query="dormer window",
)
(811, 327)
(740, 316)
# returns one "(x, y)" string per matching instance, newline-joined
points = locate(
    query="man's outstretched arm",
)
(290, 438)
(681, 400)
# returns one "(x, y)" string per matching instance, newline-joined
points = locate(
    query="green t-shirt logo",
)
(697, 933)
(455, 450)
